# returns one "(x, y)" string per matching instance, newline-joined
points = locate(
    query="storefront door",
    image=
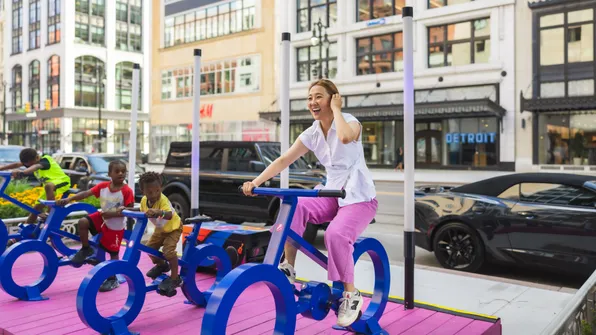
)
(428, 148)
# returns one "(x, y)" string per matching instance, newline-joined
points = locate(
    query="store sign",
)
(375, 22)
(470, 137)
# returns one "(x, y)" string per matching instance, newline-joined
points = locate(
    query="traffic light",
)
(103, 133)
(27, 107)
(48, 106)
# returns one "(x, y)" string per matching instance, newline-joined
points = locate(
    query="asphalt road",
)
(389, 230)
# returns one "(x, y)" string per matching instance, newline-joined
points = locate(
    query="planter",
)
(577, 160)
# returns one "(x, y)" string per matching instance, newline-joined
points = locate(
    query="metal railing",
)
(578, 317)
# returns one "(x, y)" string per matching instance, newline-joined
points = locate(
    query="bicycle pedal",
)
(168, 294)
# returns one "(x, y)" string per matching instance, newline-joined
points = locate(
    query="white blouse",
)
(344, 163)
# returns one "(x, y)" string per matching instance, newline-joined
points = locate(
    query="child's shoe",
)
(157, 270)
(289, 271)
(82, 254)
(168, 286)
(110, 284)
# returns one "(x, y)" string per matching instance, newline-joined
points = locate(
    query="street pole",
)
(132, 152)
(408, 81)
(196, 137)
(99, 87)
(284, 103)
(4, 134)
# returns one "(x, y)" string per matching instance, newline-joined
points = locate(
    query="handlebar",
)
(49, 203)
(133, 214)
(5, 173)
(281, 192)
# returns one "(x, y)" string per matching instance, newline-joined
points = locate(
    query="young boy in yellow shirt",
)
(168, 229)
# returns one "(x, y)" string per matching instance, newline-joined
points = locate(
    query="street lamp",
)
(320, 40)
(99, 98)
(4, 134)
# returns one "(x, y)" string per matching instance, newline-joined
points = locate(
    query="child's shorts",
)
(168, 241)
(110, 239)
(58, 189)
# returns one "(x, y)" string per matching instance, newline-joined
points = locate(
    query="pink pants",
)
(345, 226)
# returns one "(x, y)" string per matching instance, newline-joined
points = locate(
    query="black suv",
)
(224, 166)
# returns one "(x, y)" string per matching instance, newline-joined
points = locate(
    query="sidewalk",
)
(436, 176)
(523, 309)
(420, 176)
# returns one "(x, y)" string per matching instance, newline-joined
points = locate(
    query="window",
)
(469, 141)
(124, 86)
(374, 9)
(566, 138)
(53, 21)
(90, 21)
(308, 62)
(511, 193)
(311, 11)
(17, 81)
(239, 75)
(34, 24)
(556, 194)
(459, 43)
(566, 54)
(209, 158)
(128, 27)
(53, 93)
(89, 74)
(34, 84)
(17, 26)
(443, 3)
(210, 22)
(380, 54)
(239, 158)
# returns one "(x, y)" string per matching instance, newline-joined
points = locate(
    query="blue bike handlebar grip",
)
(5, 173)
(332, 194)
(48, 203)
(136, 215)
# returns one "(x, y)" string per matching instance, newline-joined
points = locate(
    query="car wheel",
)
(458, 247)
(310, 233)
(180, 205)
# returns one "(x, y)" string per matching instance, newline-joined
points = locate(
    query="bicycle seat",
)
(198, 219)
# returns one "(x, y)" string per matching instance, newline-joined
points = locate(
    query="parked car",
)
(224, 166)
(544, 220)
(87, 170)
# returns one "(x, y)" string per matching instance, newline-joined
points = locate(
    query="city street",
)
(389, 230)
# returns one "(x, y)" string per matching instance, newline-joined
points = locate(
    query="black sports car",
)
(547, 220)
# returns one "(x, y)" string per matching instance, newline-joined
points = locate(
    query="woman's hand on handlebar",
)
(248, 187)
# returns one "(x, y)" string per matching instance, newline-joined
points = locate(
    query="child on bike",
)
(168, 229)
(109, 221)
(47, 171)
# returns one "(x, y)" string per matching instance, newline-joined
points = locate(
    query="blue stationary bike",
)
(315, 299)
(193, 255)
(25, 231)
(37, 242)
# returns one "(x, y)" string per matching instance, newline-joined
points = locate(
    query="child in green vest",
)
(46, 170)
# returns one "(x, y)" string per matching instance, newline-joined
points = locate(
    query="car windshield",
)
(9, 155)
(100, 164)
(272, 151)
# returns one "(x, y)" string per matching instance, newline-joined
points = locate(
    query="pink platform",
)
(253, 314)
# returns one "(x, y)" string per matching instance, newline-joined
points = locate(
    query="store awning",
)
(543, 3)
(557, 104)
(434, 110)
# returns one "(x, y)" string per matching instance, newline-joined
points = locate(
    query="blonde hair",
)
(327, 84)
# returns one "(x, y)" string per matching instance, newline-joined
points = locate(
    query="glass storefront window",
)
(470, 142)
(567, 138)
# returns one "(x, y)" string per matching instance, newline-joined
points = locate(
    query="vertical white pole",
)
(132, 147)
(408, 43)
(196, 125)
(284, 103)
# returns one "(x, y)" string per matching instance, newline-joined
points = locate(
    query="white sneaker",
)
(349, 308)
(289, 271)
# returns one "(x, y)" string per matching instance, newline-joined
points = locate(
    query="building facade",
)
(463, 68)
(237, 70)
(555, 83)
(3, 80)
(68, 67)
